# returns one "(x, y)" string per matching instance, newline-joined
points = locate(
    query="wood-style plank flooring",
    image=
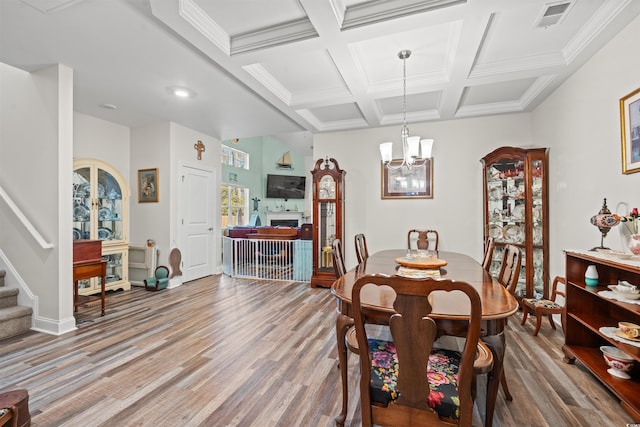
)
(227, 352)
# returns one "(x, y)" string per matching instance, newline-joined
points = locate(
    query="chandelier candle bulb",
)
(426, 146)
(386, 149)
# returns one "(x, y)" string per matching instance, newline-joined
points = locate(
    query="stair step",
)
(14, 321)
(8, 297)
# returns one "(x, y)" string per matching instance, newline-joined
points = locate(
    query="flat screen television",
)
(285, 186)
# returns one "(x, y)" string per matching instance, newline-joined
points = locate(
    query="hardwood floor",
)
(227, 352)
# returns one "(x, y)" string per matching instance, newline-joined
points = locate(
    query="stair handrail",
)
(25, 221)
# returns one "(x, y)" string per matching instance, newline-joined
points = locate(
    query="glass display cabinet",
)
(101, 212)
(515, 212)
(328, 218)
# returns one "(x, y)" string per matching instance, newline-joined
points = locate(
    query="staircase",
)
(14, 319)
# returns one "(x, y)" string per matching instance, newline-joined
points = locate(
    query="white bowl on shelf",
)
(625, 292)
(620, 363)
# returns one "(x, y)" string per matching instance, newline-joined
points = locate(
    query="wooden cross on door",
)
(201, 148)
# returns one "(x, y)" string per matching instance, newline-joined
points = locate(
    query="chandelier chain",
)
(404, 91)
(412, 153)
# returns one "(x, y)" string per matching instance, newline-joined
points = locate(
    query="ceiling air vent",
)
(553, 14)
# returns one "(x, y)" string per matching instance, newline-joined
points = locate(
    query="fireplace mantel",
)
(284, 216)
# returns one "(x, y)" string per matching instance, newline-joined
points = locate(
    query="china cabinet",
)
(101, 212)
(328, 218)
(592, 317)
(515, 212)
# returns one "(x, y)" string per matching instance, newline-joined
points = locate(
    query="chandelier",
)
(415, 152)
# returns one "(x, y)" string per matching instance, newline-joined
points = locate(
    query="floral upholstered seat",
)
(442, 372)
(542, 303)
(408, 380)
(545, 307)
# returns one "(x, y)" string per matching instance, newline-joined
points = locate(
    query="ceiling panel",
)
(306, 66)
(496, 92)
(254, 17)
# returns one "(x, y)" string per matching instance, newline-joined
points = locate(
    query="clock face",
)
(327, 188)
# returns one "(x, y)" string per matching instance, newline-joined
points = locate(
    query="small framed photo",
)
(405, 182)
(630, 131)
(147, 185)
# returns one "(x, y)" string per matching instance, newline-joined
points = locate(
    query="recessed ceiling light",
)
(182, 92)
(108, 106)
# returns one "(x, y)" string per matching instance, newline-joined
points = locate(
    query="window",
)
(236, 158)
(235, 205)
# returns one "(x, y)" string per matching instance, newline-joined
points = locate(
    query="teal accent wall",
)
(263, 154)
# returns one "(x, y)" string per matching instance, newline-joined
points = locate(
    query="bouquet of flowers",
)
(631, 221)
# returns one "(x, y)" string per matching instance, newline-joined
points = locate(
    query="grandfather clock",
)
(328, 218)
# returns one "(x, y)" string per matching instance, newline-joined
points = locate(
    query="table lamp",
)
(604, 220)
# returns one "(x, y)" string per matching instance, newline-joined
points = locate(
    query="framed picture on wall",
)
(630, 131)
(407, 183)
(147, 185)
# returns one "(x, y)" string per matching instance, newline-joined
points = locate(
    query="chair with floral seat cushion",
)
(545, 307)
(407, 381)
(508, 277)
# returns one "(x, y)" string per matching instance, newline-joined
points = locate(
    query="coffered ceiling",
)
(298, 67)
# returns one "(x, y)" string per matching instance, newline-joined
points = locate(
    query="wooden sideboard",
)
(88, 263)
(587, 312)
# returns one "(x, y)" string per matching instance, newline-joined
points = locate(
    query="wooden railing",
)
(27, 224)
(288, 260)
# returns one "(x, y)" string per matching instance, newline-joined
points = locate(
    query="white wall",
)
(580, 121)
(183, 153)
(99, 139)
(167, 146)
(456, 208)
(150, 150)
(36, 119)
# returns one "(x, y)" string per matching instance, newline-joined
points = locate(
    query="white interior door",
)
(196, 217)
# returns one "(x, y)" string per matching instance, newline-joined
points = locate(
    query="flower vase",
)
(634, 244)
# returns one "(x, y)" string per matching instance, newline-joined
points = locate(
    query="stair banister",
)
(27, 224)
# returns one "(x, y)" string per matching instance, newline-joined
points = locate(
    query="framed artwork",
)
(630, 131)
(147, 185)
(407, 183)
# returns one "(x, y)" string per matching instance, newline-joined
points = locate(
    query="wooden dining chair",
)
(362, 253)
(423, 239)
(488, 253)
(395, 390)
(508, 277)
(545, 307)
(510, 268)
(337, 257)
(344, 330)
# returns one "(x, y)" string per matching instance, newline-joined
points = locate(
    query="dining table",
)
(450, 313)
